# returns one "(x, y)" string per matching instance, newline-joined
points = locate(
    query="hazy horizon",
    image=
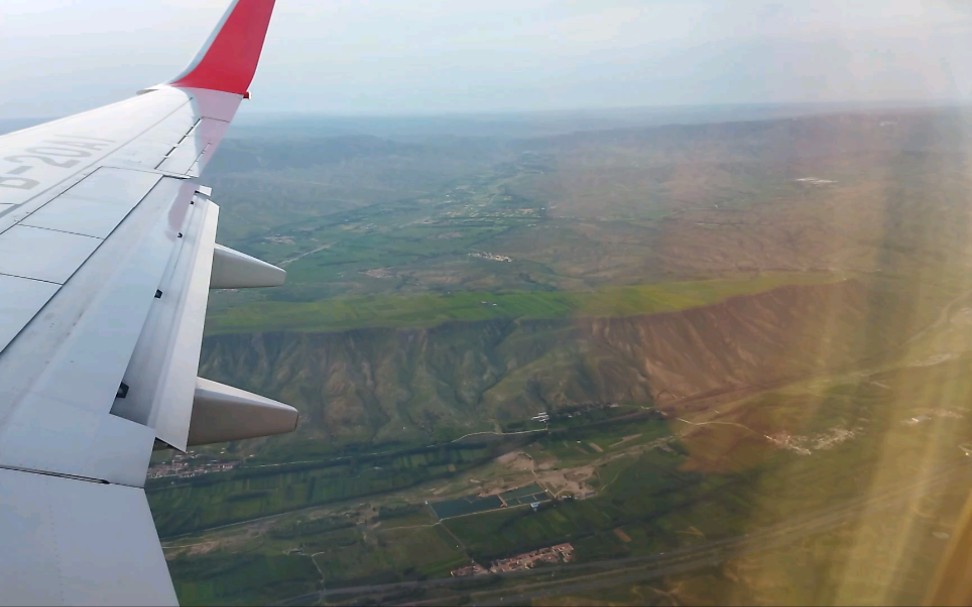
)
(433, 57)
(251, 113)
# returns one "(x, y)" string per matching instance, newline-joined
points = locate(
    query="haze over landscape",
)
(713, 354)
(433, 56)
(588, 303)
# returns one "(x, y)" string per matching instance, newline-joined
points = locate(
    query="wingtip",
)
(228, 60)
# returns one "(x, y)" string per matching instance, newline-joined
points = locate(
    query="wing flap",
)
(60, 375)
(162, 371)
(73, 542)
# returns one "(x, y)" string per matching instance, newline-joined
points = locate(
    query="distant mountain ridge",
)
(384, 384)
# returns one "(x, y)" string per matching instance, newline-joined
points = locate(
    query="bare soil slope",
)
(387, 383)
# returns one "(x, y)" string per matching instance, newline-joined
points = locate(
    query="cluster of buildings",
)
(561, 553)
(474, 569)
(784, 440)
(186, 466)
(814, 181)
(492, 256)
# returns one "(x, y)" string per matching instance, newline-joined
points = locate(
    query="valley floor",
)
(724, 363)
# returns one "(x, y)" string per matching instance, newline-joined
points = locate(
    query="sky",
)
(459, 56)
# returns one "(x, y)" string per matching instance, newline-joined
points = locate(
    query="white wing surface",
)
(107, 254)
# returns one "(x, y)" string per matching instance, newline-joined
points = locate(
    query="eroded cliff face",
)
(743, 342)
(389, 383)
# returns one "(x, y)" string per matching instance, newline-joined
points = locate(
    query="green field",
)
(718, 424)
(433, 309)
(241, 579)
(255, 490)
(465, 505)
(651, 497)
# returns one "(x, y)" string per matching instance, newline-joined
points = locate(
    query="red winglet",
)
(229, 58)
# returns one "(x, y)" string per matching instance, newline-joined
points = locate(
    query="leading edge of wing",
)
(229, 58)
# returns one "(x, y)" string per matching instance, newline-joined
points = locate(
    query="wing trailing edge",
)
(229, 58)
(162, 390)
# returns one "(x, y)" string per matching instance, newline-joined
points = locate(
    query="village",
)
(189, 465)
(491, 256)
(560, 553)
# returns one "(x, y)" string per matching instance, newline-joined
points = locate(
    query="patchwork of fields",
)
(806, 385)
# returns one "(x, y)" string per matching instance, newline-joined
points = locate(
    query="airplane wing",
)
(107, 254)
